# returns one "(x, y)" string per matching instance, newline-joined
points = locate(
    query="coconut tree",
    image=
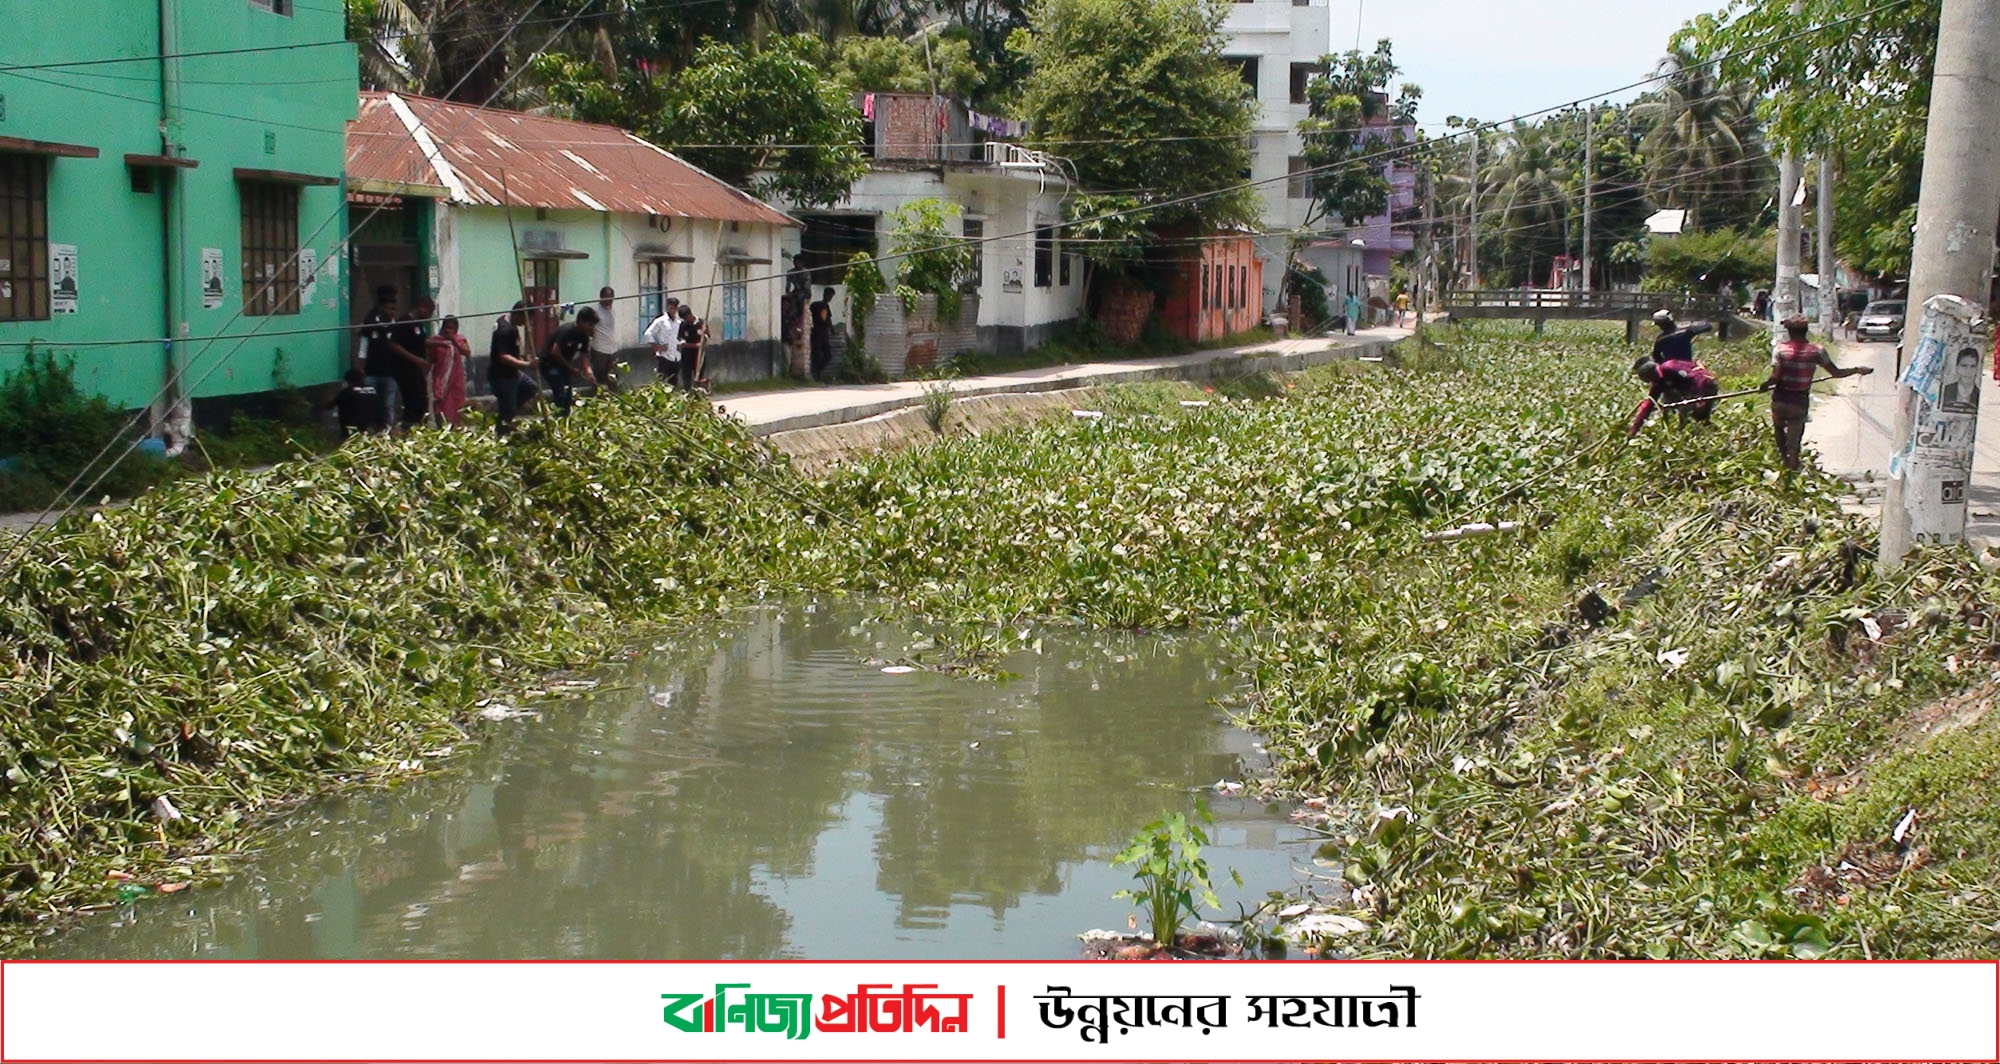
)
(1532, 181)
(1704, 150)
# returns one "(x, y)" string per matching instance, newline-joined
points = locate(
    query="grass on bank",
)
(1686, 777)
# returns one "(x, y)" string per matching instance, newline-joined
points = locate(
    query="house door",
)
(540, 293)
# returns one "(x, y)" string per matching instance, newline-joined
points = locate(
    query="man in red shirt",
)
(1687, 386)
(1793, 365)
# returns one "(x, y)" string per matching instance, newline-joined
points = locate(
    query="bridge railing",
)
(1527, 301)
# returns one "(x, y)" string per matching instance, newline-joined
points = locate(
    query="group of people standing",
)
(808, 324)
(404, 374)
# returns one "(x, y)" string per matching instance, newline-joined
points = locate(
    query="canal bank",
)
(1668, 716)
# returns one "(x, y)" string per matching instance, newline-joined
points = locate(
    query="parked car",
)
(1882, 320)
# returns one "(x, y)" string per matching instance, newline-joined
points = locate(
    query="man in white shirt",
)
(663, 337)
(604, 342)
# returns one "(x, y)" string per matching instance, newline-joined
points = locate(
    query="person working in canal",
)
(1676, 344)
(1793, 365)
(564, 359)
(1686, 386)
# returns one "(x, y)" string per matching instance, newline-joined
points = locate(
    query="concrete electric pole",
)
(1785, 294)
(1472, 213)
(1950, 278)
(1829, 310)
(1589, 186)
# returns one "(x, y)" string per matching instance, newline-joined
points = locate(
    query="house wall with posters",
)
(603, 209)
(180, 197)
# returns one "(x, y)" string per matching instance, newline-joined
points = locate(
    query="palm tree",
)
(1531, 182)
(1704, 149)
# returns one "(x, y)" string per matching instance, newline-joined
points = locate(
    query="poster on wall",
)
(63, 286)
(211, 278)
(308, 274)
(1942, 384)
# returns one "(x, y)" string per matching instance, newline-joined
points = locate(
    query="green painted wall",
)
(284, 109)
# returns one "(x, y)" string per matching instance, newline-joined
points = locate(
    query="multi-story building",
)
(1280, 45)
(171, 215)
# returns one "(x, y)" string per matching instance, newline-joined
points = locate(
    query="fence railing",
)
(1557, 302)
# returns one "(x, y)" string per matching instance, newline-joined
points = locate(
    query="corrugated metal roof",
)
(537, 161)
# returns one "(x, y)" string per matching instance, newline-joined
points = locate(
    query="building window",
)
(830, 241)
(275, 7)
(24, 238)
(270, 248)
(652, 290)
(1062, 270)
(1302, 75)
(1045, 256)
(1299, 184)
(976, 233)
(1246, 65)
(735, 302)
(1243, 286)
(1204, 286)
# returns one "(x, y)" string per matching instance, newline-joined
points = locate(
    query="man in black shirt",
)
(380, 353)
(358, 405)
(691, 335)
(410, 337)
(1675, 343)
(563, 358)
(506, 368)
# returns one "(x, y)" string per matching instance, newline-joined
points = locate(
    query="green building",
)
(171, 206)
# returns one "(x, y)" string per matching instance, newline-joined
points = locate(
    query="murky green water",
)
(761, 789)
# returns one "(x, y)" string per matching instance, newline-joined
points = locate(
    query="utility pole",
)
(1829, 311)
(1472, 212)
(1785, 297)
(1425, 274)
(1953, 266)
(1589, 187)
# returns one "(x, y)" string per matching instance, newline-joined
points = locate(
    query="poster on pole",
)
(308, 274)
(211, 278)
(63, 286)
(1941, 387)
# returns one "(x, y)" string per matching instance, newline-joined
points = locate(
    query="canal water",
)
(763, 788)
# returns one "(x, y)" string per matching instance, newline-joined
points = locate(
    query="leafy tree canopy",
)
(1136, 94)
(1352, 126)
(891, 64)
(1852, 77)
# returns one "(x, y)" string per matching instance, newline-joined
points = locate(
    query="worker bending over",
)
(1685, 385)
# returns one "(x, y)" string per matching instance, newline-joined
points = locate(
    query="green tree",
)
(1531, 182)
(1851, 77)
(1135, 93)
(769, 119)
(1708, 261)
(931, 256)
(1705, 150)
(890, 64)
(1352, 127)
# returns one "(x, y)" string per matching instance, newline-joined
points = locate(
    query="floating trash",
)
(1090, 414)
(1191, 403)
(897, 670)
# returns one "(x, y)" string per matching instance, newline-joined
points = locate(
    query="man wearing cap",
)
(1676, 344)
(1794, 363)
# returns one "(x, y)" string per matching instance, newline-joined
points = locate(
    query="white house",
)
(483, 207)
(1025, 285)
(1279, 45)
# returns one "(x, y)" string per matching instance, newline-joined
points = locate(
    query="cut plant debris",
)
(1671, 713)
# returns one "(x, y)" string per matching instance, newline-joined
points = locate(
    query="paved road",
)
(1851, 431)
(799, 408)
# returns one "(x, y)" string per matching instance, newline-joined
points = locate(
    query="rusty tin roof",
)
(486, 156)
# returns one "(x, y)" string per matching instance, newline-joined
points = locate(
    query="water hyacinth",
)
(240, 642)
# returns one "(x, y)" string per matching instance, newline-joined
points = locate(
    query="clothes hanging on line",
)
(997, 127)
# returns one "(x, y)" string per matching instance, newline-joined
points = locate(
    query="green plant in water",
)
(1173, 875)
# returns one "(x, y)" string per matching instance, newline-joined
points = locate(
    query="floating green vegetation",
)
(1676, 714)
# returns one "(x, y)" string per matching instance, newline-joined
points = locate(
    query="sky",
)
(1494, 59)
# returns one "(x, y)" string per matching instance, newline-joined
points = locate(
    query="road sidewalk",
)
(1851, 433)
(768, 413)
